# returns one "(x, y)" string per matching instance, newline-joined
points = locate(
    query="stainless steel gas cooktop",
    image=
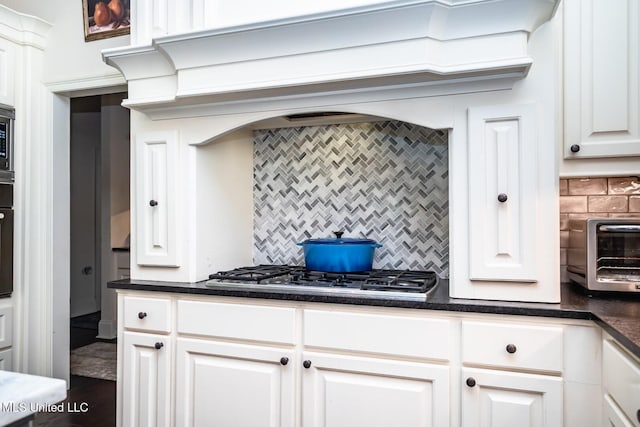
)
(403, 285)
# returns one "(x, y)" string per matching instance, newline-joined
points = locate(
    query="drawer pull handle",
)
(471, 382)
(158, 345)
(306, 364)
(142, 315)
(284, 361)
(502, 197)
(511, 348)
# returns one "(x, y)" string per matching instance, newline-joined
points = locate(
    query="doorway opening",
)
(99, 214)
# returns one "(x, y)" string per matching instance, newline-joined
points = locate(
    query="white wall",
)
(68, 57)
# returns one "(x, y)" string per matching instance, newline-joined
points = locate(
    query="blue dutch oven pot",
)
(339, 255)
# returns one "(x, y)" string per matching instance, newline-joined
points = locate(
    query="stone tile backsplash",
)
(612, 197)
(386, 181)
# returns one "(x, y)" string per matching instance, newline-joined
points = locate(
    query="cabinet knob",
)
(153, 203)
(306, 364)
(574, 148)
(158, 345)
(511, 348)
(142, 315)
(284, 360)
(502, 197)
(471, 382)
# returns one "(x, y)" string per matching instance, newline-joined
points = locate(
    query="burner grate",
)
(291, 277)
(254, 274)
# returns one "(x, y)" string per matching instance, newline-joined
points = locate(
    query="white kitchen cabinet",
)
(522, 372)
(230, 384)
(346, 365)
(6, 338)
(508, 221)
(146, 377)
(345, 391)
(155, 199)
(144, 360)
(502, 189)
(506, 399)
(601, 78)
(621, 385)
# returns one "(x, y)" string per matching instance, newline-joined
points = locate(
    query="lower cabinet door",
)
(347, 391)
(613, 415)
(146, 379)
(507, 399)
(233, 385)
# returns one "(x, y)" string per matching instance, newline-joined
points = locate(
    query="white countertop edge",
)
(22, 395)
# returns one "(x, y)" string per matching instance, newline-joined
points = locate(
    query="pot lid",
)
(339, 241)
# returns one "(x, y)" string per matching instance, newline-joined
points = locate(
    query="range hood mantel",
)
(427, 44)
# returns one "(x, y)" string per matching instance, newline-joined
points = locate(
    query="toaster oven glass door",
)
(618, 256)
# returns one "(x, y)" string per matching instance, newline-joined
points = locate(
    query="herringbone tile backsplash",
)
(386, 181)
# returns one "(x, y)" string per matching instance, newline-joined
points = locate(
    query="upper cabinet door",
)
(502, 193)
(155, 175)
(601, 78)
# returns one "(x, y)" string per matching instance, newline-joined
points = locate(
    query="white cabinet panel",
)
(147, 314)
(233, 385)
(347, 391)
(155, 201)
(507, 399)
(146, 393)
(6, 327)
(512, 346)
(601, 78)
(613, 415)
(6, 360)
(621, 380)
(502, 193)
(377, 333)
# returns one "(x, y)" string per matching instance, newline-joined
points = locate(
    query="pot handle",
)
(376, 245)
(300, 244)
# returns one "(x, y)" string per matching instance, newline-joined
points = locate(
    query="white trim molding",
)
(401, 43)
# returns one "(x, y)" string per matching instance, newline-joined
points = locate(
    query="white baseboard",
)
(107, 329)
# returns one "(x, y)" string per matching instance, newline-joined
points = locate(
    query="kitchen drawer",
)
(621, 380)
(147, 314)
(518, 346)
(243, 322)
(6, 327)
(378, 333)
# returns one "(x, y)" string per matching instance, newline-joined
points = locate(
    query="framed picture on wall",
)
(105, 18)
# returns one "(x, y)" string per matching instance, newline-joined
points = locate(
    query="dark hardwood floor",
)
(90, 402)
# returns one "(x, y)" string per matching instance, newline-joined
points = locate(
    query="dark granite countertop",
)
(617, 314)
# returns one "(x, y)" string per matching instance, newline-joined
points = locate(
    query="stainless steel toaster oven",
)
(604, 253)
